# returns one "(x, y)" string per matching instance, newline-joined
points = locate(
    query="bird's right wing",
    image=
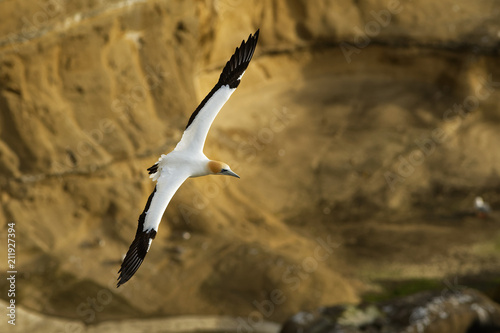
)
(149, 220)
(200, 121)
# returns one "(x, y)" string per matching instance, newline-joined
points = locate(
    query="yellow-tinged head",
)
(220, 168)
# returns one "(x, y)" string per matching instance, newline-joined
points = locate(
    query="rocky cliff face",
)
(429, 312)
(362, 131)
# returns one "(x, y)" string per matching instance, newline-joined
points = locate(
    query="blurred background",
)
(362, 131)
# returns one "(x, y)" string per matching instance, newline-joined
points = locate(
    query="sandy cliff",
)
(362, 131)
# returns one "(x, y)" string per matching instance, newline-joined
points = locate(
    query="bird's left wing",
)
(200, 121)
(149, 220)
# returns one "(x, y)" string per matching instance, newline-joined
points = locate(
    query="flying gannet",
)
(187, 159)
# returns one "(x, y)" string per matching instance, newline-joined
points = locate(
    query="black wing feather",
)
(138, 249)
(239, 62)
(153, 169)
(232, 71)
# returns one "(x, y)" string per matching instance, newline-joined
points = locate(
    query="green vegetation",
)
(393, 289)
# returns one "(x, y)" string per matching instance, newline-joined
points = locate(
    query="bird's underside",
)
(187, 159)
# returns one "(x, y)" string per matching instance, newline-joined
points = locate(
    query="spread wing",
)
(200, 121)
(149, 221)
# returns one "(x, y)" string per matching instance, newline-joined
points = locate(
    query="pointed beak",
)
(230, 173)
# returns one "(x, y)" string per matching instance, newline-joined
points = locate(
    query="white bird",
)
(187, 159)
(482, 208)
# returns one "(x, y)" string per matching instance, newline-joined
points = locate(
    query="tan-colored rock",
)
(28, 321)
(328, 145)
(427, 312)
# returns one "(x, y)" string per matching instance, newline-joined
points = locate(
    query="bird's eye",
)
(224, 170)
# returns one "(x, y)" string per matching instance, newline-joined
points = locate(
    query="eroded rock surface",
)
(427, 312)
(374, 143)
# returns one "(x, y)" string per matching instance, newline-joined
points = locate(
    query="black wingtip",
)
(256, 34)
(135, 255)
(239, 61)
(139, 247)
